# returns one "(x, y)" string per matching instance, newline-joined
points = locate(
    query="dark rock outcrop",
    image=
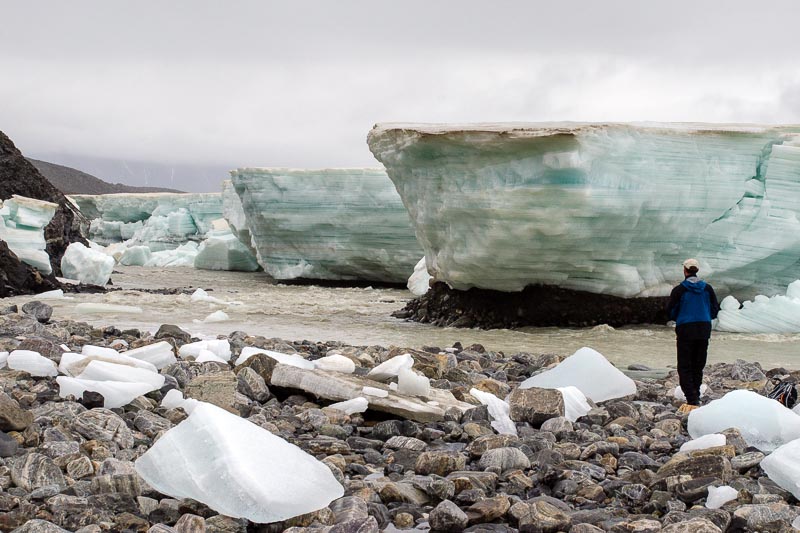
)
(19, 176)
(18, 278)
(537, 305)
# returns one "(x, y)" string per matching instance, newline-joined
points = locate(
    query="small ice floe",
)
(216, 316)
(51, 295)
(219, 347)
(712, 440)
(159, 354)
(201, 295)
(719, 496)
(413, 384)
(678, 392)
(86, 265)
(112, 309)
(355, 405)
(31, 362)
(374, 391)
(237, 468)
(285, 358)
(391, 368)
(499, 411)
(115, 393)
(336, 363)
(590, 372)
(763, 422)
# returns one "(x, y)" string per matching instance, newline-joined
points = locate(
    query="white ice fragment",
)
(31, 362)
(206, 356)
(763, 422)
(50, 295)
(286, 359)
(711, 440)
(393, 386)
(419, 282)
(499, 411)
(219, 347)
(102, 351)
(237, 468)
(216, 316)
(135, 256)
(796, 523)
(355, 405)
(92, 307)
(678, 392)
(159, 354)
(3, 359)
(391, 368)
(172, 399)
(103, 354)
(115, 393)
(105, 371)
(413, 384)
(336, 363)
(575, 404)
(222, 250)
(719, 496)
(374, 391)
(201, 295)
(783, 466)
(86, 265)
(776, 314)
(590, 372)
(118, 343)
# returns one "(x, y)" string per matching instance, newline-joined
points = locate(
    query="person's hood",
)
(694, 284)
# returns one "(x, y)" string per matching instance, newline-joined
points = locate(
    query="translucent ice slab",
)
(237, 468)
(783, 467)
(159, 354)
(105, 371)
(22, 223)
(222, 250)
(391, 368)
(607, 208)
(778, 314)
(327, 224)
(86, 265)
(31, 362)
(499, 411)
(115, 393)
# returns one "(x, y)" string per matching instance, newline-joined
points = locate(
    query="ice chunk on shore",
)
(679, 395)
(159, 354)
(237, 468)
(109, 354)
(174, 399)
(86, 265)
(3, 359)
(115, 393)
(355, 405)
(336, 363)
(94, 308)
(105, 371)
(50, 295)
(719, 496)
(31, 362)
(413, 384)
(499, 411)
(206, 356)
(590, 372)
(419, 282)
(763, 422)
(374, 391)
(135, 256)
(22, 223)
(219, 347)
(575, 404)
(706, 441)
(182, 256)
(285, 358)
(391, 368)
(783, 467)
(778, 314)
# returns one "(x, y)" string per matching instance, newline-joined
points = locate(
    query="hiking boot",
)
(686, 408)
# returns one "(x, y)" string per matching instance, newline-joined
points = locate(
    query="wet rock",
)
(447, 516)
(40, 311)
(536, 405)
(218, 389)
(503, 459)
(104, 425)
(12, 416)
(488, 509)
(170, 331)
(261, 363)
(440, 463)
(34, 471)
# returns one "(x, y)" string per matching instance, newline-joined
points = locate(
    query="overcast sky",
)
(200, 84)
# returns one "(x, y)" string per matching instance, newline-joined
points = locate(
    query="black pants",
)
(692, 354)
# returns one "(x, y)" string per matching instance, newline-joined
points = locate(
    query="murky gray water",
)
(362, 316)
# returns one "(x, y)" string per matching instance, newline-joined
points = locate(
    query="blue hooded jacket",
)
(693, 304)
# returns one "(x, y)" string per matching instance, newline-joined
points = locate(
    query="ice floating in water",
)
(86, 265)
(31, 362)
(115, 393)
(719, 496)
(356, 405)
(413, 384)
(237, 468)
(182, 256)
(575, 404)
(159, 354)
(216, 316)
(498, 410)
(285, 358)
(22, 223)
(336, 363)
(706, 441)
(94, 308)
(374, 391)
(419, 282)
(104, 371)
(678, 392)
(783, 467)
(50, 295)
(779, 314)
(219, 347)
(590, 372)
(763, 423)
(391, 368)
(201, 295)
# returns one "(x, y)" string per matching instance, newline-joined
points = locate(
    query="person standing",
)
(692, 305)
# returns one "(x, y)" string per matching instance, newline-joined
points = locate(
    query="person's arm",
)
(675, 302)
(712, 299)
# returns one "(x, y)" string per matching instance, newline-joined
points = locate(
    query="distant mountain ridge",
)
(72, 181)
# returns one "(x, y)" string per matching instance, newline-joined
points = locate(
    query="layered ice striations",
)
(22, 223)
(606, 208)
(340, 224)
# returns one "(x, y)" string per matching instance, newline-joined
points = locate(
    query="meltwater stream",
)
(361, 316)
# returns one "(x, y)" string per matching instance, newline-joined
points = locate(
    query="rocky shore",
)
(67, 464)
(537, 305)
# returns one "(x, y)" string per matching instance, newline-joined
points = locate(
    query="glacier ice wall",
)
(22, 224)
(233, 212)
(345, 224)
(606, 208)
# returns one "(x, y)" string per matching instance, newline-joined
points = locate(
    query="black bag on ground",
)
(785, 391)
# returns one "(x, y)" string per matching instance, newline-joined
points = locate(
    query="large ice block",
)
(783, 467)
(778, 314)
(222, 250)
(763, 422)
(86, 265)
(590, 372)
(22, 223)
(237, 468)
(346, 224)
(608, 208)
(233, 212)
(31, 362)
(115, 393)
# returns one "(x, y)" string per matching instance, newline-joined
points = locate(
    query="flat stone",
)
(440, 463)
(402, 492)
(536, 405)
(12, 416)
(39, 310)
(540, 516)
(218, 389)
(447, 516)
(34, 471)
(503, 459)
(104, 425)
(765, 517)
